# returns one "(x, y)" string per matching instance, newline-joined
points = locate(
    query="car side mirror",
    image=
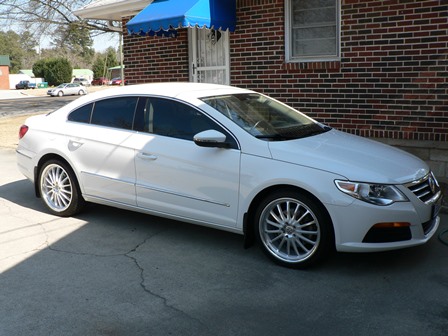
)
(211, 138)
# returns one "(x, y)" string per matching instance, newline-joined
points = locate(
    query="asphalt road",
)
(38, 105)
(114, 272)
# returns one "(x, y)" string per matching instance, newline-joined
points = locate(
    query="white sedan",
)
(67, 89)
(231, 159)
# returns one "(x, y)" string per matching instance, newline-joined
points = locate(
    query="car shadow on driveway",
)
(21, 193)
(110, 271)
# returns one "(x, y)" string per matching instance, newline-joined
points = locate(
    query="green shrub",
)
(54, 70)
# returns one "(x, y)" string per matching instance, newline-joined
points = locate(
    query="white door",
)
(177, 177)
(104, 153)
(209, 56)
(106, 162)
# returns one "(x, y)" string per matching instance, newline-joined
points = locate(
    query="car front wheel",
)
(59, 189)
(60, 93)
(294, 229)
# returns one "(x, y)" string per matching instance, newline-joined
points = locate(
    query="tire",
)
(60, 93)
(81, 92)
(293, 229)
(59, 189)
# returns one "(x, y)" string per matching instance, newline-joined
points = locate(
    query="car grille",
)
(425, 189)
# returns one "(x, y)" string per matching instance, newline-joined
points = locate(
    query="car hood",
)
(354, 157)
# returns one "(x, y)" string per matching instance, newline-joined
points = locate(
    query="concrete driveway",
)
(113, 272)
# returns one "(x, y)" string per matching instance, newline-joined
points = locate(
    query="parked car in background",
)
(67, 89)
(235, 160)
(100, 81)
(117, 81)
(82, 81)
(24, 85)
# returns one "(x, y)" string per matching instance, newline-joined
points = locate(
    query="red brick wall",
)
(156, 59)
(4, 77)
(391, 81)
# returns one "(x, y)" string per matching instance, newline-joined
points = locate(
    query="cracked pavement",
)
(114, 272)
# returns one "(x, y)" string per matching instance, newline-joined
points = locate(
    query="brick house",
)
(5, 63)
(372, 68)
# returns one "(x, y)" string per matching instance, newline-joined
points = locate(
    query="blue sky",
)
(105, 41)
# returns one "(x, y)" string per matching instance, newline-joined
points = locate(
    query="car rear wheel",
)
(81, 92)
(294, 229)
(59, 189)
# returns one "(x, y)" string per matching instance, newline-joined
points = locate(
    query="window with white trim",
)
(312, 30)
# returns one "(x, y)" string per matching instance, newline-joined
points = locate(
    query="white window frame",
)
(289, 58)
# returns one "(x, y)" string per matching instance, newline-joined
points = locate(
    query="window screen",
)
(314, 29)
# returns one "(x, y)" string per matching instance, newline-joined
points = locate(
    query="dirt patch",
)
(9, 131)
(9, 127)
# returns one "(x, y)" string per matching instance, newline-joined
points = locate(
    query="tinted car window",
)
(174, 119)
(115, 112)
(82, 114)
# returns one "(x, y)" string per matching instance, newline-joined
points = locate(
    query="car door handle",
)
(74, 144)
(147, 156)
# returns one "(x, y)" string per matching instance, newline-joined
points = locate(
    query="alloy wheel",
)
(289, 230)
(56, 188)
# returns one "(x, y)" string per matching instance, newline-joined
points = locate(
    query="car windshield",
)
(265, 118)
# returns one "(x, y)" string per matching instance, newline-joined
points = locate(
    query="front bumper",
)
(359, 226)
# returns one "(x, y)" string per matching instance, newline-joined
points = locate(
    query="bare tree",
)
(43, 17)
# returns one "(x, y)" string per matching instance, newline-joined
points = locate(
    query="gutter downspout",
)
(121, 59)
(119, 30)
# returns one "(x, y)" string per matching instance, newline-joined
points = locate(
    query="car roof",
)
(170, 89)
(181, 90)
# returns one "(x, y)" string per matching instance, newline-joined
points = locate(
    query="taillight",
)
(22, 131)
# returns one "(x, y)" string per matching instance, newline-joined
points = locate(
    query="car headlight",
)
(377, 194)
